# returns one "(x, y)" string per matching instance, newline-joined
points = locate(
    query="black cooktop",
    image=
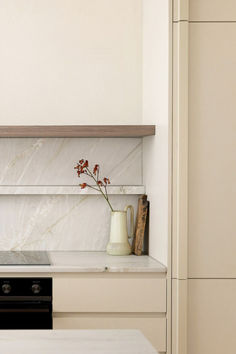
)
(8, 258)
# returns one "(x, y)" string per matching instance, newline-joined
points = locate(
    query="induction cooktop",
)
(32, 258)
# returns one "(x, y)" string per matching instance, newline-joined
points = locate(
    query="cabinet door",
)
(212, 150)
(212, 10)
(152, 326)
(212, 316)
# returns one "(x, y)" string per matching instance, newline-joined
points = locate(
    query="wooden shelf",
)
(68, 190)
(76, 131)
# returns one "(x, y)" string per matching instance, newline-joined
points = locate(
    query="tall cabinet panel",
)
(211, 316)
(212, 150)
(206, 292)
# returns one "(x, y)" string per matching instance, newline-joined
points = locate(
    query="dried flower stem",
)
(105, 195)
(83, 168)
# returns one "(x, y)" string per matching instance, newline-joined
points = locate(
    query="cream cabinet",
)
(212, 157)
(212, 10)
(152, 326)
(204, 10)
(204, 287)
(112, 300)
(211, 316)
(109, 293)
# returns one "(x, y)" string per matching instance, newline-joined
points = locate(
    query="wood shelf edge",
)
(76, 131)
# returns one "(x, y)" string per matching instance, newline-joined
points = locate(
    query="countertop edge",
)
(90, 262)
(53, 269)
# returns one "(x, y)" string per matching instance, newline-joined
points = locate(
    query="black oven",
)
(25, 303)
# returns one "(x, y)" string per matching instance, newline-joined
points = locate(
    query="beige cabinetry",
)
(117, 300)
(212, 192)
(212, 150)
(109, 293)
(212, 10)
(211, 316)
(152, 326)
(203, 297)
(204, 10)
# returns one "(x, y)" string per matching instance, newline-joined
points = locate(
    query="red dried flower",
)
(95, 169)
(100, 186)
(106, 180)
(80, 169)
(85, 164)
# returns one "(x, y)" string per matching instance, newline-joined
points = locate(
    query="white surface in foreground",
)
(75, 342)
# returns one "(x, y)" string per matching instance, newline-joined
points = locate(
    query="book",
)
(140, 227)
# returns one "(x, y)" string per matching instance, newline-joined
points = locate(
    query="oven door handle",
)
(25, 299)
(25, 306)
(24, 310)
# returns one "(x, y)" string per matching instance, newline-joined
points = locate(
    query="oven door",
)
(25, 315)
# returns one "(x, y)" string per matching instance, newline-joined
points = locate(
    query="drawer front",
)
(109, 293)
(152, 327)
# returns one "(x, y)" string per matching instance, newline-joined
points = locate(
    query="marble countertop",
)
(75, 261)
(75, 342)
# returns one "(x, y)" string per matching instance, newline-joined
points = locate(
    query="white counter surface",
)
(75, 342)
(75, 261)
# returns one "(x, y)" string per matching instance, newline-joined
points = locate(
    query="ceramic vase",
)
(118, 244)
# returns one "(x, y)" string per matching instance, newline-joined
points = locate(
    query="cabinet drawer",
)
(109, 293)
(154, 328)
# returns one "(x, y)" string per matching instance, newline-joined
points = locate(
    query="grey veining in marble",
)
(24, 258)
(41, 205)
(75, 342)
(50, 161)
(57, 222)
(91, 262)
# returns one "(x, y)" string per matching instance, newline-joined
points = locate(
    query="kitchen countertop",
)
(75, 342)
(75, 261)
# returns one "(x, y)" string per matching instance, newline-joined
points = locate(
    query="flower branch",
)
(82, 167)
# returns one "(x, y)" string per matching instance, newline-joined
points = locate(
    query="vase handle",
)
(131, 219)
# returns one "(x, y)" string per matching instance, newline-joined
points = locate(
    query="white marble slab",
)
(75, 342)
(41, 204)
(51, 161)
(74, 190)
(58, 222)
(83, 262)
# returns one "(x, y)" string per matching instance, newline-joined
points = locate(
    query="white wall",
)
(70, 61)
(156, 150)
(81, 62)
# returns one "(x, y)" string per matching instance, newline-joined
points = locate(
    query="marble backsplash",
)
(62, 222)
(57, 222)
(50, 161)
